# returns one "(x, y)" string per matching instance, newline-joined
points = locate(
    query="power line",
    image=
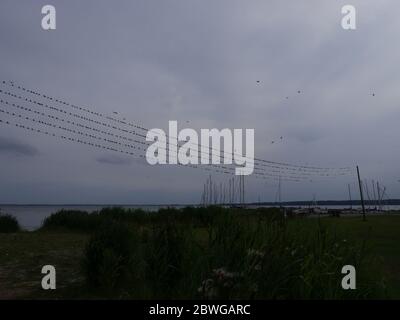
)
(52, 108)
(118, 136)
(265, 162)
(100, 146)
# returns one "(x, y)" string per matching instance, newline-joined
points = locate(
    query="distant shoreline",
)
(283, 203)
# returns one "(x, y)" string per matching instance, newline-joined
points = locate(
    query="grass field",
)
(186, 254)
(382, 234)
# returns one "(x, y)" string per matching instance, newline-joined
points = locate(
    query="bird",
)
(115, 112)
(299, 91)
(281, 137)
(258, 81)
(272, 142)
(373, 94)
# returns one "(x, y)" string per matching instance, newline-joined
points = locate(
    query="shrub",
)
(165, 259)
(8, 224)
(108, 256)
(73, 220)
(88, 222)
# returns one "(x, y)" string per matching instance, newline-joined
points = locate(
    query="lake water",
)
(31, 217)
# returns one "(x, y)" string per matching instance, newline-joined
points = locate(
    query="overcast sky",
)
(198, 62)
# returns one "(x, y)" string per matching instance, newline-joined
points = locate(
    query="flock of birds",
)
(259, 82)
(287, 97)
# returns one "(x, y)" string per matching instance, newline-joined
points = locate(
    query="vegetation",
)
(108, 256)
(8, 224)
(208, 253)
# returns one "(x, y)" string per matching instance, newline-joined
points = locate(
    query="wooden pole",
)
(361, 193)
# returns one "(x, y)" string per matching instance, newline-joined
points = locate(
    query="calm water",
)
(31, 217)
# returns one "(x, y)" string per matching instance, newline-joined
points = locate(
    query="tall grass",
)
(218, 253)
(237, 254)
(109, 256)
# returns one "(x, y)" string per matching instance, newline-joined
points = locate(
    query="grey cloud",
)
(17, 148)
(114, 160)
(308, 134)
(154, 61)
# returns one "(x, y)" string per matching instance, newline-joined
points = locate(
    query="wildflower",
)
(220, 273)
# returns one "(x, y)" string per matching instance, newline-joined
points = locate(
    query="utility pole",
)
(361, 193)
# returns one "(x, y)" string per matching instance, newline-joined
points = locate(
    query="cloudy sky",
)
(199, 62)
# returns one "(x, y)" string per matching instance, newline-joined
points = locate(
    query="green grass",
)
(177, 251)
(23, 254)
(383, 237)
